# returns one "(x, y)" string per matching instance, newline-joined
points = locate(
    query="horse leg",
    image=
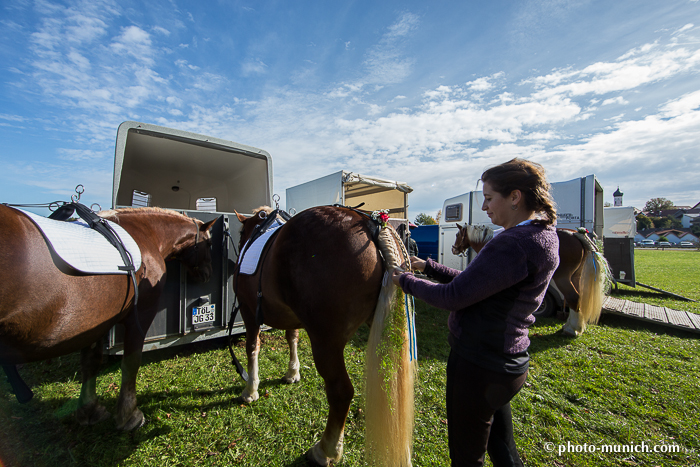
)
(292, 375)
(129, 416)
(252, 348)
(339, 392)
(89, 410)
(19, 387)
(574, 325)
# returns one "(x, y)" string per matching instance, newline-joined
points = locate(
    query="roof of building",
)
(618, 192)
(680, 233)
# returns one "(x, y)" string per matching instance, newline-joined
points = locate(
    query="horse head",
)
(196, 254)
(250, 222)
(474, 236)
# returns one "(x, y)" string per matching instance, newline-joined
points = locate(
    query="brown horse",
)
(582, 276)
(323, 273)
(48, 309)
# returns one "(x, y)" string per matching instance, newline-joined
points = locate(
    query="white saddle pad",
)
(251, 254)
(86, 249)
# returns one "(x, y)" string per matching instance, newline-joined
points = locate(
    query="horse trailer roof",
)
(176, 168)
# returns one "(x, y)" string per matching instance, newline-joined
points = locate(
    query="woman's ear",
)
(516, 196)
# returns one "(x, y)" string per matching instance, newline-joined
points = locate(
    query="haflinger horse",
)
(583, 274)
(48, 309)
(324, 273)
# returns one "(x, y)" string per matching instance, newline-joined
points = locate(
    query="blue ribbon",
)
(411, 322)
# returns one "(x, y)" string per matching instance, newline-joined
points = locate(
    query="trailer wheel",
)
(547, 308)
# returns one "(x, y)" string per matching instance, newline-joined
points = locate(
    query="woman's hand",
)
(418, 264)
(396, 276)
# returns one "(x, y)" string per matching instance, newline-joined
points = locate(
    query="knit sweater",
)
(492, 300)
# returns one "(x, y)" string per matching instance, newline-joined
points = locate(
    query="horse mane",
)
(478, 233)
(113, 214)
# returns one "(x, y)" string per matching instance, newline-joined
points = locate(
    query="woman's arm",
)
(500, 265)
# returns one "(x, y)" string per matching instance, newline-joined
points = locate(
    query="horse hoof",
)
(136, 421)
(92, 414)
(246, 399)
(291, 379)
(567, 331)
(314, 456)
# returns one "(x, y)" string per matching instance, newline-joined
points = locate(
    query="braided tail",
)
(389, 368)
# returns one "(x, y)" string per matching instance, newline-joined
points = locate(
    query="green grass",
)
(623, 382)
(676, 271)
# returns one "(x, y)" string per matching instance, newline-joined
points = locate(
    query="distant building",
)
(673, 235)
(618, 197)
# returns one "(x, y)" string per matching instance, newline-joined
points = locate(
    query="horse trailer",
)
(579, 204)
(354, 190)
(205, 178)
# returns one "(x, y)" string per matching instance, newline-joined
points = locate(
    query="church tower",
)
(618, 197)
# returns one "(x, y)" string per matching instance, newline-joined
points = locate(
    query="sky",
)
(427, 93)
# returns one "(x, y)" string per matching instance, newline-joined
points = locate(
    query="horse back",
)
(571, 250)
(46, 308)
(323, 264)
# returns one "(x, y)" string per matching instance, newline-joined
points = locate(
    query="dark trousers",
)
(478, 414)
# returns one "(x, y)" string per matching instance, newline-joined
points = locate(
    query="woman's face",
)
(497, 207)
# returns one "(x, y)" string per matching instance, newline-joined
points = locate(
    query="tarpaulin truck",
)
(351, 189)
(205, 178)
(579, 204)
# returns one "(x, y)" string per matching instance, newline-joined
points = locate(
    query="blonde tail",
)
(389, 371)
(593, 285)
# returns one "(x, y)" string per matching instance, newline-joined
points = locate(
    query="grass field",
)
(623, 384)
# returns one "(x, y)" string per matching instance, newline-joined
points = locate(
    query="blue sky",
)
(429, 93)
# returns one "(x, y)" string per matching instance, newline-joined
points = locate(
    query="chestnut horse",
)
(48, 309)
(324, 273)
(582, 277)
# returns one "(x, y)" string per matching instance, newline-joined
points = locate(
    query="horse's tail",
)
(389, 371)
(594, 282)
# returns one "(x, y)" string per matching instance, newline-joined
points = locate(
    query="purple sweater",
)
(492, 300)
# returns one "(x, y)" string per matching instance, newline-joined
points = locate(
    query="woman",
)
(491, 304)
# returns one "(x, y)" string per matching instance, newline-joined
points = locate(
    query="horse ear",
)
(208, 225)
(240, 217)
(459, 227)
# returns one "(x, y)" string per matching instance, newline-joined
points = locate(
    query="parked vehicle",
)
(647, 243)
(666, 244)
(427, 239)
(686, 244)
(206, 178)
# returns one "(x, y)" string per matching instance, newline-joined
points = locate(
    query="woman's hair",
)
(529, 178)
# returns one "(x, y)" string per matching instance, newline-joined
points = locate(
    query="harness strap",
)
(259, 317)
(102, 226)
(375, 223)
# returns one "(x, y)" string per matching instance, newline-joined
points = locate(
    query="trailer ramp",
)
(653, 314)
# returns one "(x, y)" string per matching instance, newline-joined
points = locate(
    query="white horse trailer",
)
(205, 178)
(579, 204)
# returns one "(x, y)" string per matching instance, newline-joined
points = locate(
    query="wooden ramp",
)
(653, 314)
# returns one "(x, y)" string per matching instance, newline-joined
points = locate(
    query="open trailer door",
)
(205, 178)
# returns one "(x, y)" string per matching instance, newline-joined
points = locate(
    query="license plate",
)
(203, 314)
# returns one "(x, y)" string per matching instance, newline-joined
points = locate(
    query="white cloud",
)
(253, 67)
(615, 100)
(136, 42)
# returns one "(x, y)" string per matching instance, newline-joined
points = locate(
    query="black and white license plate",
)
(203, 314)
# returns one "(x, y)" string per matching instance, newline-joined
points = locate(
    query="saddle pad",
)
(85, 249)
(252, 253)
